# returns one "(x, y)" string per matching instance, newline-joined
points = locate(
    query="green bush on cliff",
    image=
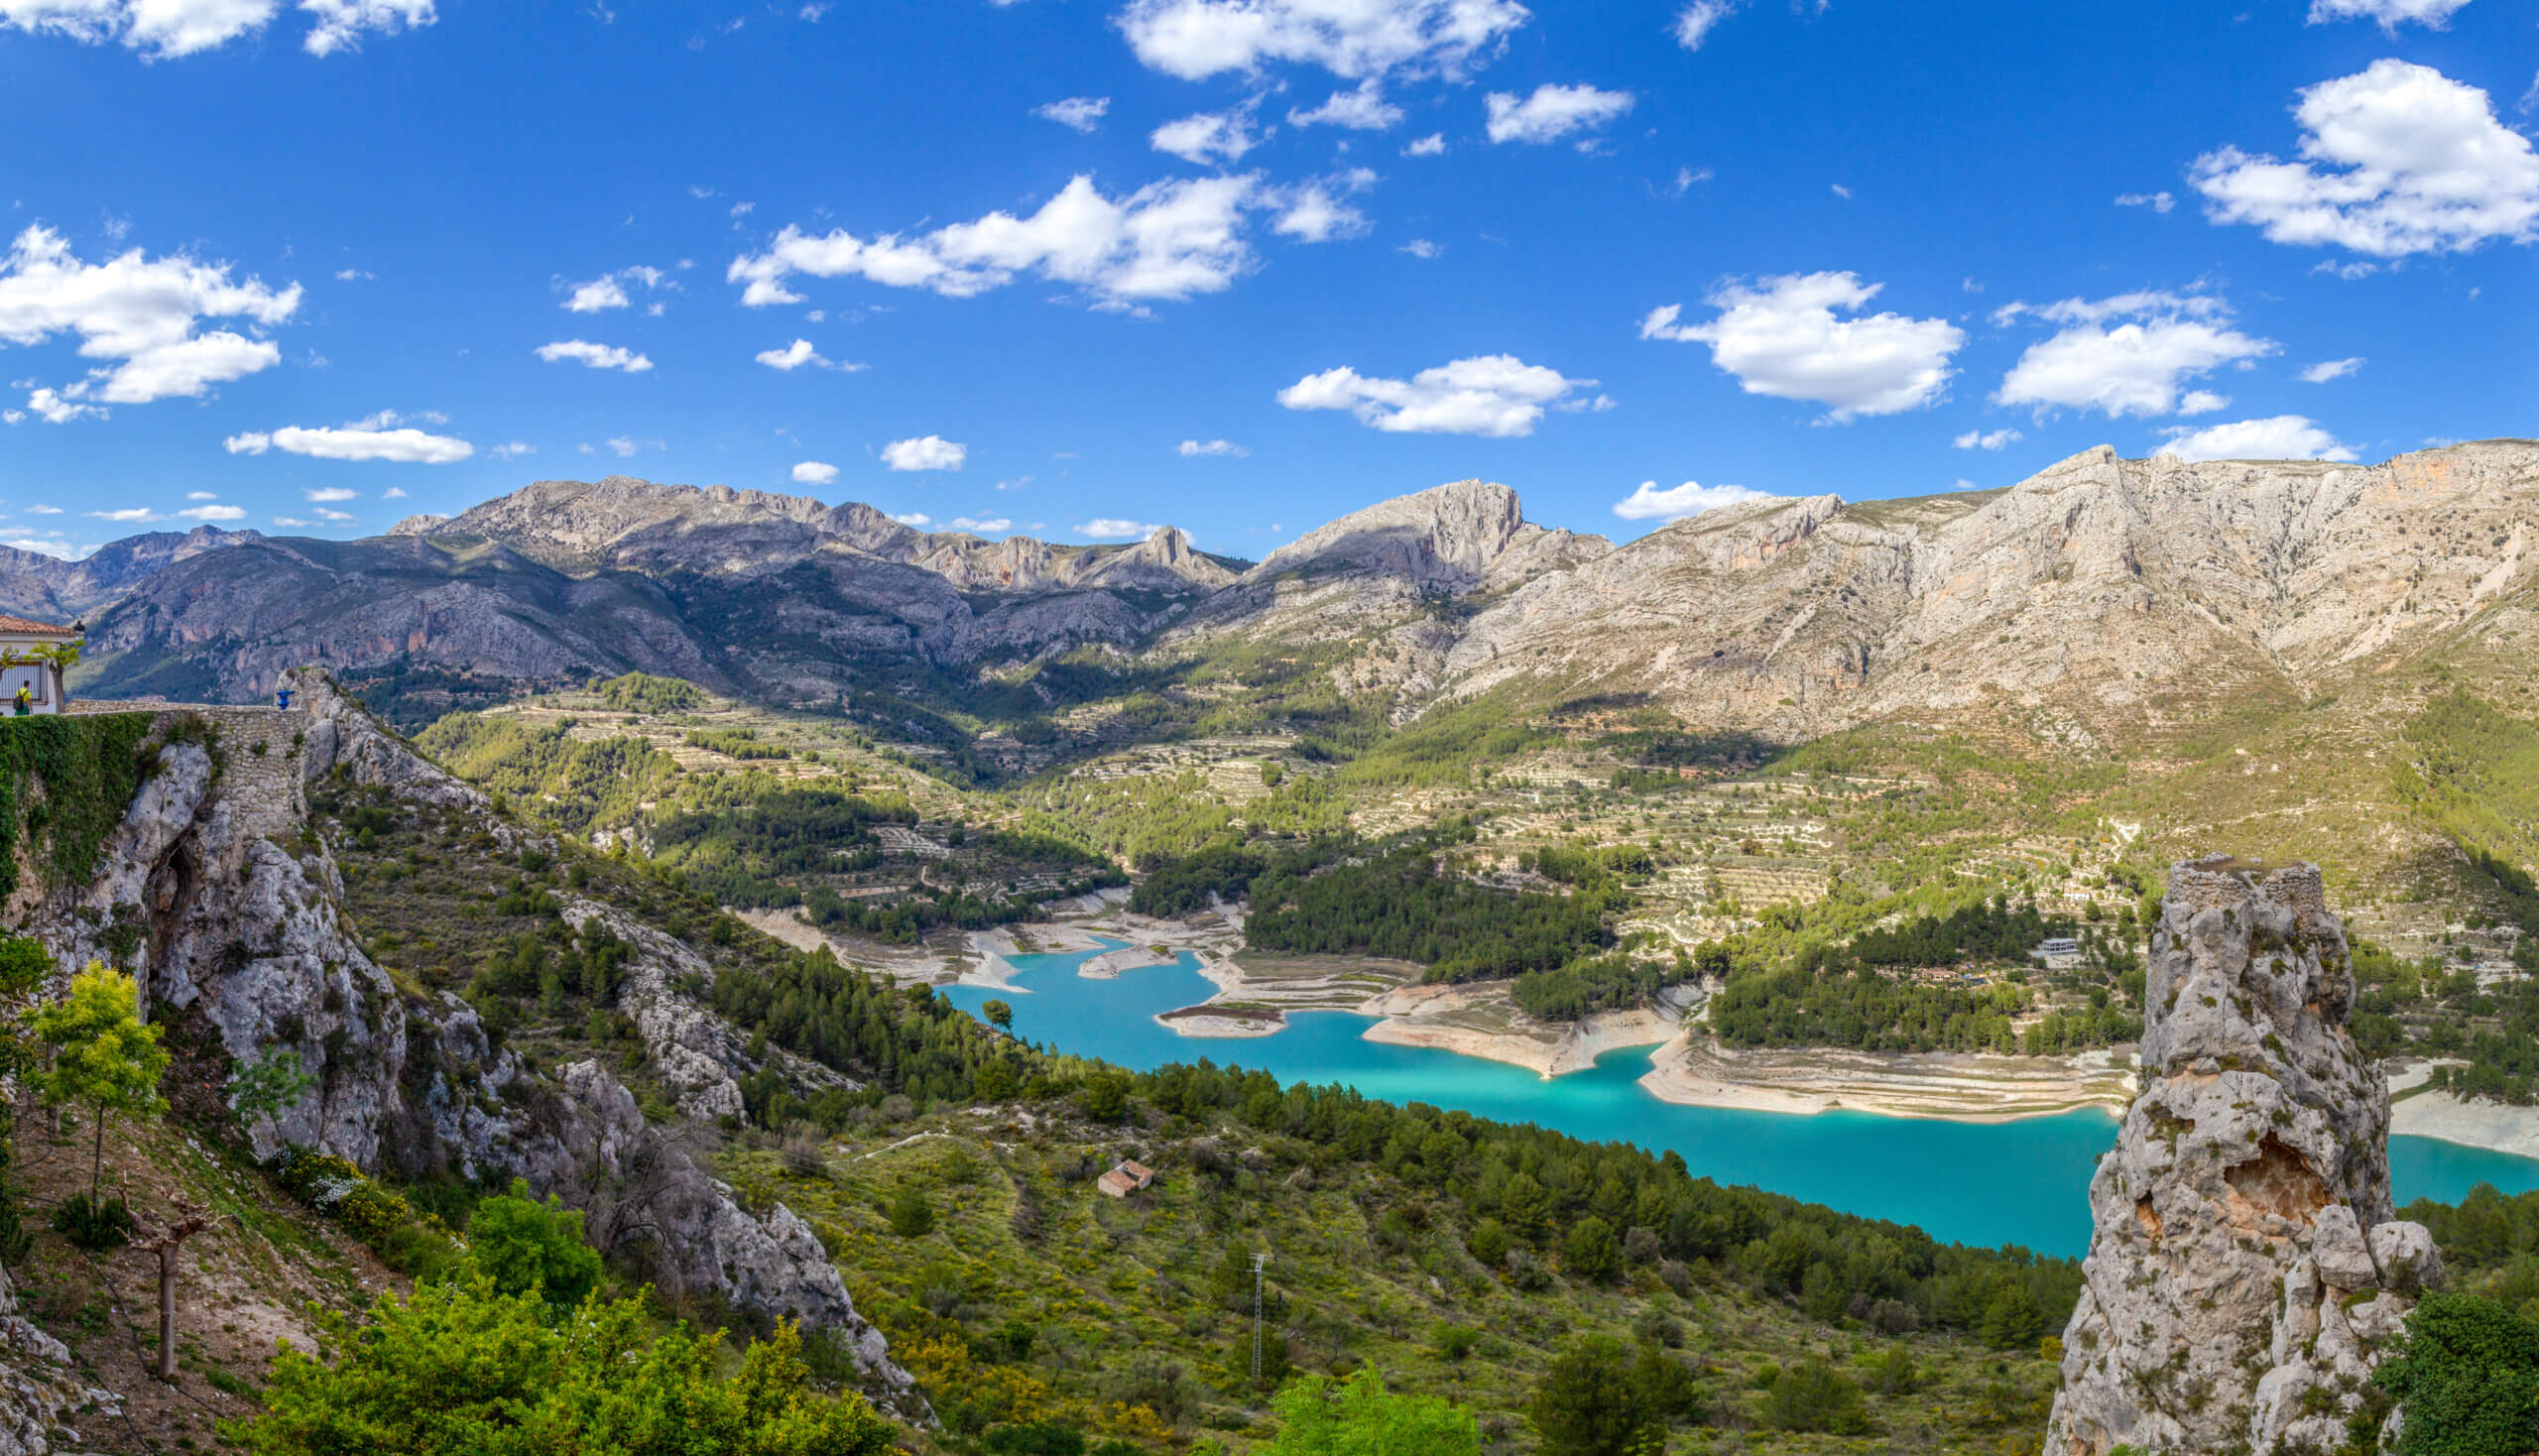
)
(65, 782)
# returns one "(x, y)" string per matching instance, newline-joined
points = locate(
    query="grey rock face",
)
(38, 1388)
(243, 907)
(2247, 1271)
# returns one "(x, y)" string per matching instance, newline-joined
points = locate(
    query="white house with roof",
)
(32, 660)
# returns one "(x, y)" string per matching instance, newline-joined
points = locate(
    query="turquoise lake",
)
(2023, 1182)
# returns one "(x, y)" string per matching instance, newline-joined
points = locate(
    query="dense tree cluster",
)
(1399, 903)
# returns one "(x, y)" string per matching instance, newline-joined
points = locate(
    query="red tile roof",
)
(29, 627)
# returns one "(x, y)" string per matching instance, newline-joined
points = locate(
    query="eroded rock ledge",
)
(2246, 1270)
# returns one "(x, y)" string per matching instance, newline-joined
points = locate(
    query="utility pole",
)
(1259, 1262)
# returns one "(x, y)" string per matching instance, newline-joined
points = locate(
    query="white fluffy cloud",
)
(1553, 112)
(2130, 354)
(1195, 447)
(512, 451)
(214, 512)
(2398, 158)
(2157, 202)
(1781, 336)
(1648, 503)
(925, 452)
(1979, 440)
(1317, 213)
(2324, 370)
(1111, 528)
(2389, 12)
(1209, 136)
(339, 23)
(1083, 113)
(1431, 145)
(980, 523)
(354, 442)
(1496, 395)
(329, 495)
(140, 314)
(1363, 109)
(1693, 23)
(596, 356)
(1196, 39)
(165, 29)
(128, 516)
(814, 472)
(608, 291)
(2281, 437)
(792, 356)
(916, 520)
(1165, 241)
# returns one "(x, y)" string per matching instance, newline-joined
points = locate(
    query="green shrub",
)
(99, 1224)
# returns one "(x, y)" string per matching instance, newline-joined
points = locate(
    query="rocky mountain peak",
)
(1446, 536)
(2247, 1271)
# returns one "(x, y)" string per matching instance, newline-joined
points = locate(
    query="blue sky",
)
(1084, 266)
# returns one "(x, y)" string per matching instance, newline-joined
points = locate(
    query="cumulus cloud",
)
(339, 23)
(626, 445)
(1317, 213)
(512, 451)
(981, 524)
(1363, 109)
(2326, 370)
(292, 521)
(814, 472)
(214, 512)
(2280, 438)
(1431, 145)
(1197, 38)
(1781, 336)
(1111, 528)
(1083, 113)
(330, 494)
(792, 356)
(2156, 202)
(916, 520)
(2130, 354)
(1553, 112)
(1494, 395)
(1165, 241)
(2390, 13)
(1192, 447)
(140, 314)
(608, 291)
(362, 440)
(1209, 136)
(2398, 158)
(1422, 248)
(1674, 503)
(163, 30)
(1693, 23)
(925, 452)
(1980, 439)
(128, 516)
(596, 356)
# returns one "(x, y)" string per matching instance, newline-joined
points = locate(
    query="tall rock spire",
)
(2247, 1271)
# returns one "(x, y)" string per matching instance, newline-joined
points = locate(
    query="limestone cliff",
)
(2247, 1271)
(217, 888)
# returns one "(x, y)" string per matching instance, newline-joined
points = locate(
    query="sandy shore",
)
(2496, 1126)
(1695, 1070)
(1478, 1020)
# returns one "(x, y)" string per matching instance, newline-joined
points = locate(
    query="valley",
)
(818, 906)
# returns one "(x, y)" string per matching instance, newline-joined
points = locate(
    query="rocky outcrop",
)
(2246, 1270)
(218, 865)
(40, 1392)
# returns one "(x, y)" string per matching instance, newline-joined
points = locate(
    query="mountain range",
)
(2100, 591)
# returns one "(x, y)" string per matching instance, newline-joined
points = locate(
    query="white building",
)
(20, 669)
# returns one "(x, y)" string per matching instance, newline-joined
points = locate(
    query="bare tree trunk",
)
(168, 1311)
